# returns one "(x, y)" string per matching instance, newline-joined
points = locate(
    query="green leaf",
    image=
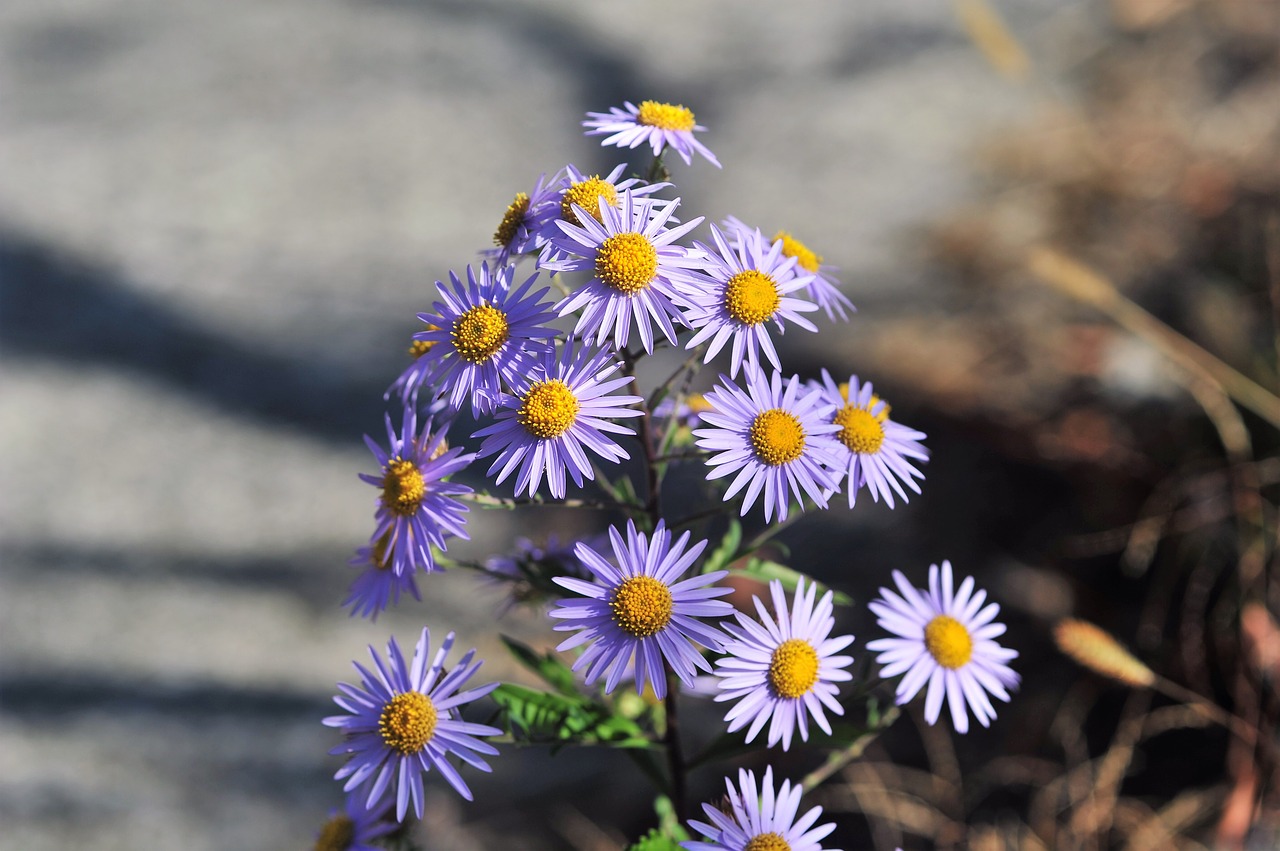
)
(557, 674)
(727, 550)
(765, 570)
(539, 717)
(655, 840)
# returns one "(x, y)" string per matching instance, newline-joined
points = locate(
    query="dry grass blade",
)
(989, 33)
(1098, 651)
(1165, 828)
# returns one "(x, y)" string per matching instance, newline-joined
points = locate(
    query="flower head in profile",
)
(783, 671)
(634, 263)
(378, 586)
(559, 409)
(776, 438)
(589, 192)
(742, 291)
(403, 721)
(641, 608)
(659, 125)
(524, 220)
(759, 819)
(355, 827)
(416, 508)
(874, 449)
(482, 334)
(944, 640)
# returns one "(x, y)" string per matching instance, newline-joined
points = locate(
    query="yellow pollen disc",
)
(666, 116)
(403, 487)
(587, 195)
(641, 606)
(337, 834)
(793, 668)
(767, 842)
(408, 722)
(948, 642)
(792, 247)
(548, 409)
(627, 262)
(860, 430)
(418, 348)
(479, 333)
(751, 297)
(776, 436)
(511, 219)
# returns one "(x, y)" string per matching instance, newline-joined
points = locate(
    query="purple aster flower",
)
(589, 192)
(559, 408)
(784, 670)
(777, 439)
(524, 220)
(354, 828)
(638, 608)
(743, 289)
(824, 288)
(485, 333)
(873, 448)
(944, 639)
(634, 262)
(762, 820)
(417, 509)
(377, 586)
(660, 125)
(404, 721)
(417, 374)
(688, 413)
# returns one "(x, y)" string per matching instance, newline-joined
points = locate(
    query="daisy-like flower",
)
(416, 509)
(377, 586)
(742, 290)
(641, 608)
(559, 408)
(589, 192)
(944, 639)
(634, 263)
(874, 449)
(354, 828)
(776, 439)
(524, 220)
(404, 721)
(824, 289)
(482, 334)
(660, 125)
(784, 670)
(760, 820)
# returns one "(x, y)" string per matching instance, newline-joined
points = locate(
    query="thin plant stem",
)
(489, 501)
(675, 753)
(843, 757)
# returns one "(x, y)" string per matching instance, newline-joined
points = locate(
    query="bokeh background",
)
(218, 221)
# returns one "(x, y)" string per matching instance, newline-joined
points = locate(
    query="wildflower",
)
(524, 220)
(762, 820)
(633, 260)
(485, 333)
(742, 290)
(377, 586)
(417, 374)
(777, 439)
(823, 289)
(660, 125)
(1098, 651)
(354, 828)
(404, 722)
(784, 670)
(638, 608)
(687, 413)
(589, 192)
(417, 509)
(556, 410)
(944, 640)
(874, 449)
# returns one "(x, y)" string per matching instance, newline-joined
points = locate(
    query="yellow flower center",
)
(698, 403)
(860, 430)
(337, 834)
(548, 409)
(627, 262)
(479, 333)
(403, 487)
(767, 842)
(667, 116)
(776, 436)
(792, 247)
(641, 606)
(587, 194)
(511, 219)
(751, 297)
(408, 722)
(948, 642)
(418, 348)
(793, 668)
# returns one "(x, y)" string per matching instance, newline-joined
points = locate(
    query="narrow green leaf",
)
(556, 674)
(727, 550)
(765, 570)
